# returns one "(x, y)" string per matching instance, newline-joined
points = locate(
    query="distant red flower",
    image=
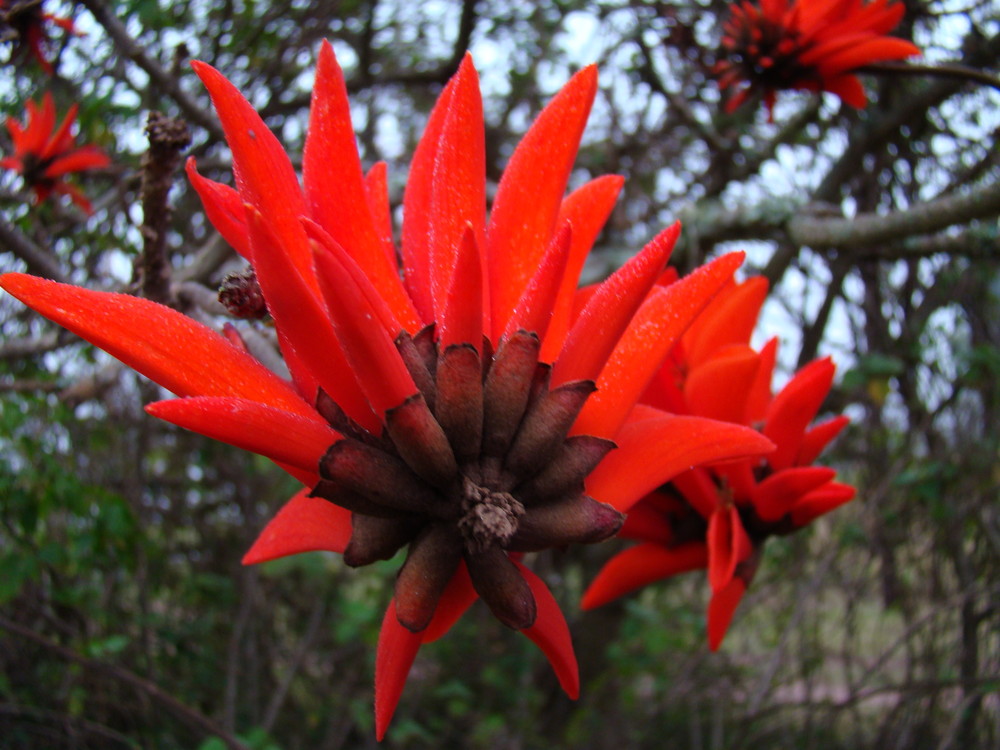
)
(455, 405)
(45, 154)
(811, 45)
(720, 517)
(23, 22)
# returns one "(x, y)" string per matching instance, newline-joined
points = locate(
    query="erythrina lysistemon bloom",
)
(810, 45)
(452, 399)
(23, 22)
(720, 517)
(45, 154)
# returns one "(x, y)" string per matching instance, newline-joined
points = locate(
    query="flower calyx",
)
(472, 468)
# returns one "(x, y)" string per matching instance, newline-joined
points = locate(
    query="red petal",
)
(776, 495)
(377, 364)
(719, 387)
(457, 597)
(534, 310)
(530, 193)
(879, 49)
(794, 408)
(645, 344)
(653, 450)
(586, 210)
(264, 175)
(721, 609)
(551, 634)
(730, 319)
(609, 311)
(759, 397)
(728, 546)
(819, 502)
(88, 157)
(699, 490)
(462, 321)
(639, 566)
(335, 187)
(397, 648)
(377, 192)
(305, 333)
(223, 207)
(849, 89)
(816, 439)
(180, 354)
(280, 435)
(417, 206)
(304, 524)
(458, 183)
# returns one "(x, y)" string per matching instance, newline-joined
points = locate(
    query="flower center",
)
(474, 466)
(489, 517)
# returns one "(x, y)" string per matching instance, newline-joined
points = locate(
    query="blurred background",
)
(126, 619)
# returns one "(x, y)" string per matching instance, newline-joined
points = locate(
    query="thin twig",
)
(168, 137)
(189, 715)
(40, 261)
(940, 70)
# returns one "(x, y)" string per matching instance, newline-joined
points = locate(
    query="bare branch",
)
(40, 261)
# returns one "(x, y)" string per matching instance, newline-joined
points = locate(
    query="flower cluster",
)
(44, 153)
(720, 517)
(456, 396)
(811, 45)
(23, 22)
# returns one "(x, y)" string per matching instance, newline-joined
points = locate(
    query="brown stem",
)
(940, 70)
(168, 137)
(189, 715)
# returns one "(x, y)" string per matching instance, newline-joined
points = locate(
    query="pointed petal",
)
(377, 193)
(458, 596)
(373, 357)
(551, 634)
(304, 524)
(586, 210)
(180, 354)
(759, 397)
(644, 346)
(335, 187)
(816, 439)
(721, 609)
(458, 182)
(264, 175)
(607, 313)
(730, 319)
(397, 648)
(534, 310)
(651, 451)
(462, 318)
(305, 332)
(776, 495)
(794, 408)
(718, 389)
(639, 566)
(223, 207)
(280, 435)
(88, 157)
(531, 191)
(820, 502)
(728, 546)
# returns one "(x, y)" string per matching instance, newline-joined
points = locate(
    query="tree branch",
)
(39, 260)
(189, 715)
(873, 229)
(160, 77)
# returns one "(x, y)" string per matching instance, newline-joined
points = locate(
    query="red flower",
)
(25, 22)
(811, 45)
(44, 154)
(719, 518)
(455, 405)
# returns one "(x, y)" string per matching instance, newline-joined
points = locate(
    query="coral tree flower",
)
(720, 517)
(811, 45)
(23, 22)
(452, 399)
(45, 154)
